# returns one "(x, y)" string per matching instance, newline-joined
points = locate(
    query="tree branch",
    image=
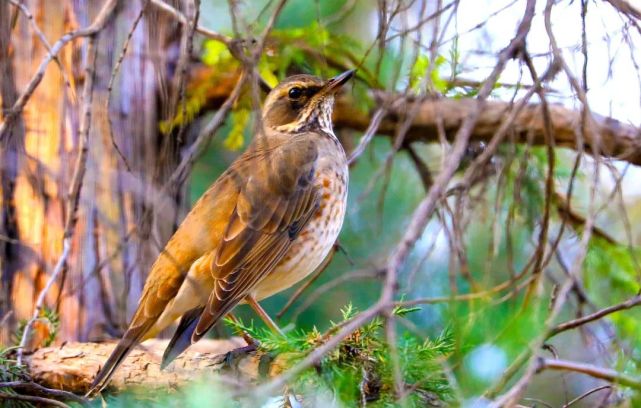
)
(588, 369)
(615, 139)
(72, 366)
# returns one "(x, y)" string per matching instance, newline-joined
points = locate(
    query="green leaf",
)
(235, 139)
(417, 73)
(215, 52)
(267, 72)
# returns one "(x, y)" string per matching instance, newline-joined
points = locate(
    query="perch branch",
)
(615, 139)
(72, 366)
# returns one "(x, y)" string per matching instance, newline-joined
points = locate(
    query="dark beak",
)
(336, 83)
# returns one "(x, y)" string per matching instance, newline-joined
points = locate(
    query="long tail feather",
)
(125, 345)
(182, 337)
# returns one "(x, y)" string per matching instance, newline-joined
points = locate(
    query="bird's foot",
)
(251, 342)
(233, 357)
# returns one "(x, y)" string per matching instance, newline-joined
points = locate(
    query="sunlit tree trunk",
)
(113, 242)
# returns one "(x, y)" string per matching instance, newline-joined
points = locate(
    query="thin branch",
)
(184, 20)
(606, 374)
(572, 324)
(43, 39)
(112, 79)
(76, 182)
(587, 394)
(99, 22)
(49, 392)
(30, 398)
(421, 216)
(373, 126)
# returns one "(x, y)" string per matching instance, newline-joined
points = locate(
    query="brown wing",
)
(199, 233)
(276, 200)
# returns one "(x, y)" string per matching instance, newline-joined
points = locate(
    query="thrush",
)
(265, 224)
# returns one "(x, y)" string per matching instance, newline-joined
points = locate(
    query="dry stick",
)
(50, 392)
(586, 394)
(44, 41)
(318, 292)
(377, 118)
(268, 28)
(419, 218)
(549, 179)
(512, 396)
(97, 25)
(572, 324)
(112, 79)
(30, 398)
(606, 374)
(626, 8)
(182, 19)
(186, 49)
(463, 297)
(78, 173)
(204, 136)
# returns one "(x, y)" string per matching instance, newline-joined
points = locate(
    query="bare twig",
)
(77, 178)
(99, 22)
(606, 374)
(31, 398)
(377, 117)
(572, 324)
(49, 392)
(43, 39)
(587, 394)
(112, 79)
(184, 20)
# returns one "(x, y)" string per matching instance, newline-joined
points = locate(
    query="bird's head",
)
(302, 102)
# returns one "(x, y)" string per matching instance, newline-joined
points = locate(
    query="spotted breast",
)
(315, 241)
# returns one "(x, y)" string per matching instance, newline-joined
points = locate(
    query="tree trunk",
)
(115, 239)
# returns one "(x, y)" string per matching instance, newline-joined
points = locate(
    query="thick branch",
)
(73, 366)
(617, 140)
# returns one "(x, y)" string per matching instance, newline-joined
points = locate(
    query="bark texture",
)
(73, 366)
(607, 136)
(604, 135)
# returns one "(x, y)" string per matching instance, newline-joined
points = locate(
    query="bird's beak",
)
(336, 83)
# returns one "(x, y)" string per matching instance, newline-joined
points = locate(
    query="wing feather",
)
(271, 210)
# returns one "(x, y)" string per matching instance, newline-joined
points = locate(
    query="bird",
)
(265, 224)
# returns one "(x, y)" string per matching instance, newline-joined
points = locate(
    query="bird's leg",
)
(263, 315)
(248, 339)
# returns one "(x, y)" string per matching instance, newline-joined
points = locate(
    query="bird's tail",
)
(131, 338)
(182, 336)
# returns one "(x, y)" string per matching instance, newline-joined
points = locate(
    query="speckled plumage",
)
(316, 239)
(268, 221)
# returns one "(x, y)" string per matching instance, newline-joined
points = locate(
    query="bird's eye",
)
(295, 93)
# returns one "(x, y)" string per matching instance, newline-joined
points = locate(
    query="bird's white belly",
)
(314, 242)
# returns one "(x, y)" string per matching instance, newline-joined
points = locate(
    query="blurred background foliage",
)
(476, 339)
(502, 218)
